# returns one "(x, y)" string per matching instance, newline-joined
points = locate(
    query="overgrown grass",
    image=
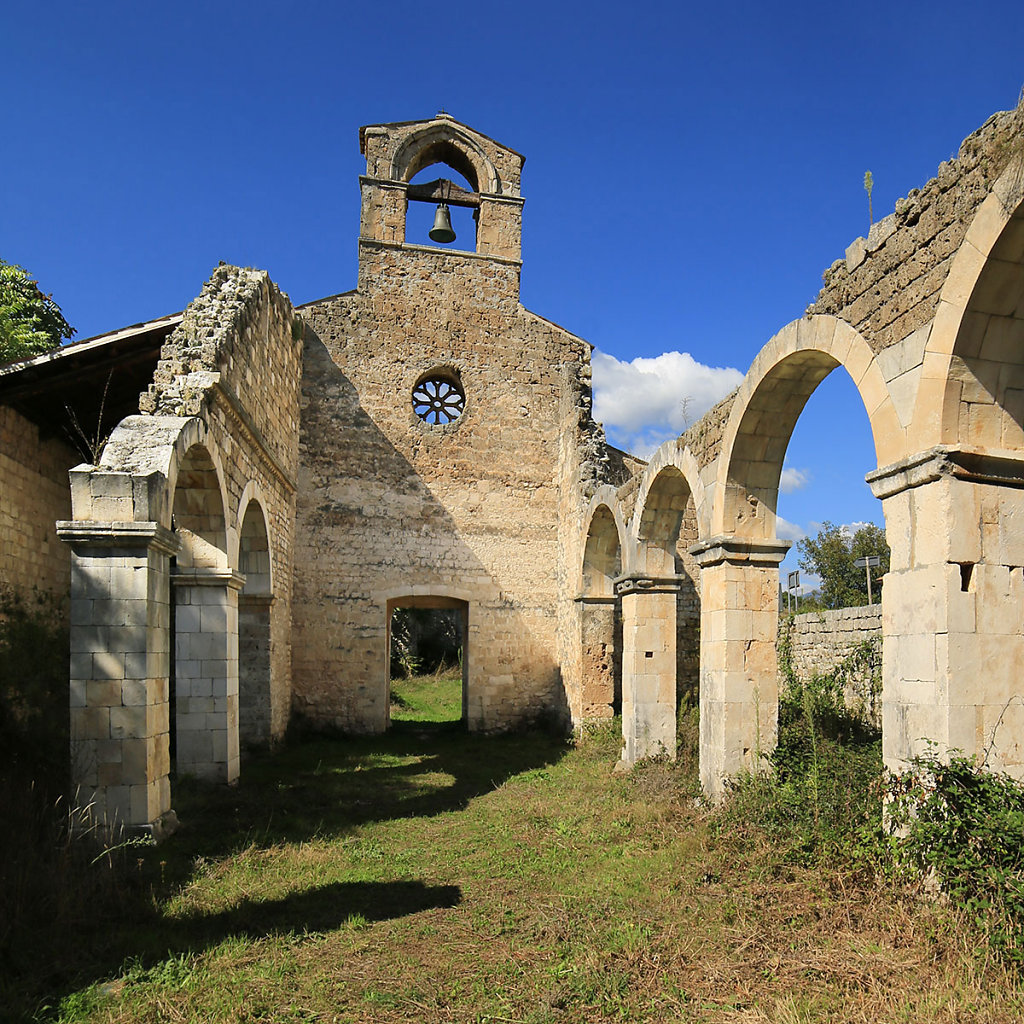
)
(821, 789)
(435, 697)
(430, 876)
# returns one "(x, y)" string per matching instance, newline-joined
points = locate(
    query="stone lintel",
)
(200, 576)
(377, 243)
(257, 600)
(639, 584)
(740, 551)
(90, 533)
(982, 466)
(595, 599)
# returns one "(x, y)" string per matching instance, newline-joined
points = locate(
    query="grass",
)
(430, 875)
(428, 698)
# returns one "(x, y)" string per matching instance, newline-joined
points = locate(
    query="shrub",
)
(964, 827)
(821, 784)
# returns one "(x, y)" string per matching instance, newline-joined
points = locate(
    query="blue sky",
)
(691, 169)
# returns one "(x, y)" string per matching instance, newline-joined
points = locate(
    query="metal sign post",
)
(792, 588)
(868, 562)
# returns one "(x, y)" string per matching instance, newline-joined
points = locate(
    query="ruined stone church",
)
(281, 479)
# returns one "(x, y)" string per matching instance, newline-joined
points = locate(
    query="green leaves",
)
(31, 323)
(831, 555)
(964, 826)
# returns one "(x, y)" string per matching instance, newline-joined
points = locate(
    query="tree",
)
(31, 323)
(831, 555)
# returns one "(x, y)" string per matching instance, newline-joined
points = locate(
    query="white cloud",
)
(647, 401)
(793, 479)
(785, 530)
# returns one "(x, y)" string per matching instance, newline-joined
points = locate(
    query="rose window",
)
(438, 400)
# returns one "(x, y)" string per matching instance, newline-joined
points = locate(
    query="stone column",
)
(648, 666)
(953, 606)
(739, 626)
(119, 670)
(206, 672)
(598, 657)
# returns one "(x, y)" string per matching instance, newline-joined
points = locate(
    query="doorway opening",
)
(428, 660)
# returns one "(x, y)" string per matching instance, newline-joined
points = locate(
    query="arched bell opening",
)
(443, 204)
(601, 619)
(254, 633)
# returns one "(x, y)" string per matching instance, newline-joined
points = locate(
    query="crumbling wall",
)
(235, 362)
(33, 496)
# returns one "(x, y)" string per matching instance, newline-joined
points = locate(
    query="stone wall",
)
(819, 642)
(186, 520)
(391, 507)
(33, 496)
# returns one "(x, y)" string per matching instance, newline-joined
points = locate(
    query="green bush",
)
(963, 826)
(820, 786)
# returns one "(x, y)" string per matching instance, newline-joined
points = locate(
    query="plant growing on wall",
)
(31, 323)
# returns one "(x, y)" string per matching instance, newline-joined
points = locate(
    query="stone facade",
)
(424, 440)
(396, 510)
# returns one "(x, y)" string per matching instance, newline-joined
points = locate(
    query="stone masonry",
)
(393, 509)
(292, 477)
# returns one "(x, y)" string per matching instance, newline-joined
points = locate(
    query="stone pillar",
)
(206, 672)
(739, 625)
(953, 606)
(120, 616)
(648, 666)
(599, 657)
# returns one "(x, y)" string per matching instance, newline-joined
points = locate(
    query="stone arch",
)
(773, 394)
(666, 525)
(972, 388)
(671, 477)
(445, 143)
(604, 536)
(198, 510)
(599, 613)
(259, 571)
(254, 632)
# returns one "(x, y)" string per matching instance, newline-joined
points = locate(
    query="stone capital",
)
(1001, 468)
(200, 576)
(639, 584)
(91, 533)
(740, 551)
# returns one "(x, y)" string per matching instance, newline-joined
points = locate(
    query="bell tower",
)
(396, 152)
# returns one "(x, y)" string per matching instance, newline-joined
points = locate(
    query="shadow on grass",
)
(323, 909)
(325, 787)
(314, 787)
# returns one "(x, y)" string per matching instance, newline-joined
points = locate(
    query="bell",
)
(442, 229)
